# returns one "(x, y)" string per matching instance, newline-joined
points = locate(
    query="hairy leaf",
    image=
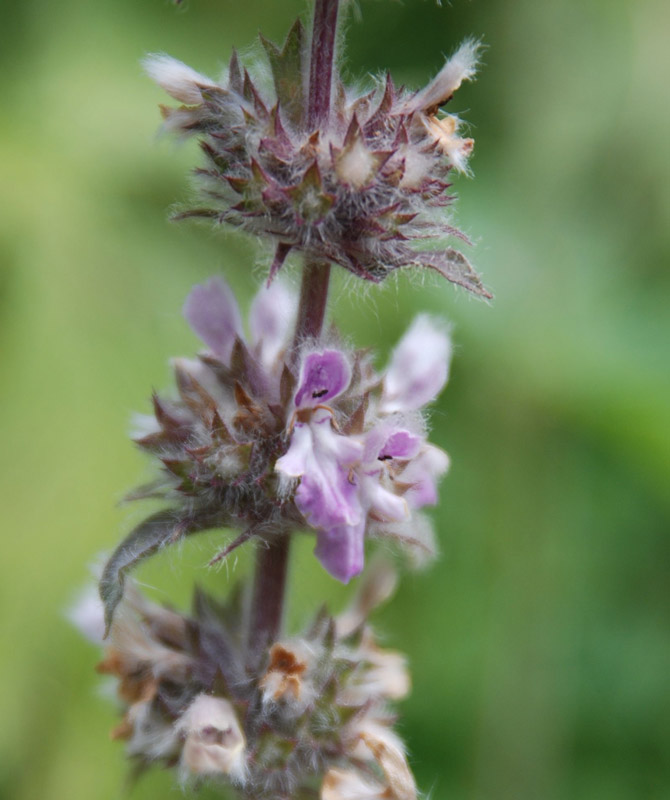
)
(162, 528)
(455, 267)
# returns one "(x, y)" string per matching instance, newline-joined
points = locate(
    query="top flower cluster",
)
(357, 190)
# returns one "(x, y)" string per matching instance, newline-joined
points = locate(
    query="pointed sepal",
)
(287, 71)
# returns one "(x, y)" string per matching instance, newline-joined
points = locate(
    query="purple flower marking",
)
(324, 375)
(382, 444)
(211, 311)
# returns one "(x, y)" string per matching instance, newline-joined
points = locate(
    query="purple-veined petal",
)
(423, 473)
(323, 459)
(401, 444)
(419, 367)
(212, 312)
(340, 550)
(324, 375)
(326, 498)
(271, 318)
(387, 440)
(326, 495)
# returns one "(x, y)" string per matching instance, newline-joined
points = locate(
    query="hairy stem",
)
(268, 599)
(313, 302)
(272, 561)
(322, 59)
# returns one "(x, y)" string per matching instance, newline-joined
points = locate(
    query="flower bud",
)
(214, 742)
(284, 680)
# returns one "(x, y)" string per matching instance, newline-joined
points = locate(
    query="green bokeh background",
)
(540, 642)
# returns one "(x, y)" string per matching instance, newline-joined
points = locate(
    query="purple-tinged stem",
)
(313, 302)
(272, 561)
(268, 600)
(324, 31)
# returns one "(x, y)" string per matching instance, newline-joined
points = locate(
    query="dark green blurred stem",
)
(272, 561)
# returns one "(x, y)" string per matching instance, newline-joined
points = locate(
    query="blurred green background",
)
(540, 642)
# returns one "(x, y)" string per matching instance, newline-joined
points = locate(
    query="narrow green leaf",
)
(162, 528)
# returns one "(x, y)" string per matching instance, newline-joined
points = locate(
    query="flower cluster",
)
(258, 443)
(360, 189)
(277, 428)
(315, 716)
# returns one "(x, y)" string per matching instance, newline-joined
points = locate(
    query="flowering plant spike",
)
(277, 427)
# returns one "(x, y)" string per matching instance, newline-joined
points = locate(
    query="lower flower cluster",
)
(314, 720)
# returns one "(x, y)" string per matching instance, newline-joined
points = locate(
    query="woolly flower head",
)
(314, 717)
(267, 441)
(360, 189)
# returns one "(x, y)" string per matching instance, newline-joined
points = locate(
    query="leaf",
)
(455, 267)
(160, 529)
(287, 71)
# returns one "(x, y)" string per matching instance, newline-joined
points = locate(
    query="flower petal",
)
(340, 550)
(400, 444)
(384, 505)
(419, 367)
(462, 66)
(423, 473)
(324, 375)
(322, 458)
(297, 459)
(211, 311)
(270, 319)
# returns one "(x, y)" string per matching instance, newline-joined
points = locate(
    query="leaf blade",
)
(158, 530)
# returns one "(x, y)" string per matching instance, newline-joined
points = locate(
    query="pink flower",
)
(419, 367)
(323, 459)
(374, 477)
(212, 311)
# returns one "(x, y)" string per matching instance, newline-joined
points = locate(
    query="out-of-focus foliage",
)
(540, 642)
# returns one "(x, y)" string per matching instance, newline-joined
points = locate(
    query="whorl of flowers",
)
(359, 188)
(316, 717)
(256, 442)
